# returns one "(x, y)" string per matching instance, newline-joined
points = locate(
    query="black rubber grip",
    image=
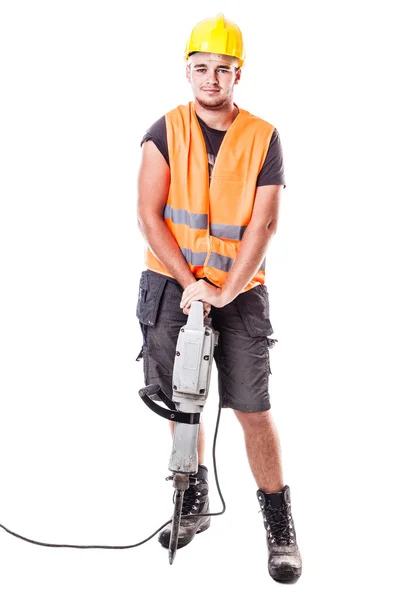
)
(172, 414)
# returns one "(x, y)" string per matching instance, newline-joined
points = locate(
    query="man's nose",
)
(212, 77)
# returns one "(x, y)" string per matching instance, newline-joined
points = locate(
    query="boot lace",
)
(192, 497)
(279, 525)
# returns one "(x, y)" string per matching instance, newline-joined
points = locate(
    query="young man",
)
(209, 187)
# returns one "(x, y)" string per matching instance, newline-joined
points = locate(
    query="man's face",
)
(212, 77)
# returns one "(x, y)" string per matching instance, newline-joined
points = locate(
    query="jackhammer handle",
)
(151, 390)
(172, 414)
(155, 390)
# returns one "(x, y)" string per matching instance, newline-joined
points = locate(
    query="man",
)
(209, 187)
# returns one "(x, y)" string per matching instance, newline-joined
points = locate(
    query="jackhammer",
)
(190, 385)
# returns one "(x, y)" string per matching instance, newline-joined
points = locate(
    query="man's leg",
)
(243, 361)
(264, 455)
(263, 449)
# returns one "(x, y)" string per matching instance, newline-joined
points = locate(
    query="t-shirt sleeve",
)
(272, 171)
(157, 133)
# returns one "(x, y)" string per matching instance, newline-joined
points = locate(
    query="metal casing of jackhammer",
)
(194, 358)
(191, 381)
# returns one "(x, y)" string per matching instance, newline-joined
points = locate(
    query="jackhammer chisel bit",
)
(181, 483)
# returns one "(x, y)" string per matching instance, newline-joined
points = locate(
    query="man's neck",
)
(217, 119)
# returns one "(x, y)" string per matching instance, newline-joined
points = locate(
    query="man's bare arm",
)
(153, 187)
(262, 226)
(254, 244)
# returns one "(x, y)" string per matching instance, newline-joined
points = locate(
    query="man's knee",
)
(253, 420)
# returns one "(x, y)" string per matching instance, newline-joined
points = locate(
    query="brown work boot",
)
(284, 562)
(195, 502)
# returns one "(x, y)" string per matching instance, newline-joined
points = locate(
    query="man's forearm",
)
(163, 244)
(252, 250)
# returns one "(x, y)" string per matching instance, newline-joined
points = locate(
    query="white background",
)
(83, 461)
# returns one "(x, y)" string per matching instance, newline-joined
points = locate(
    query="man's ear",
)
(188, 72)
(238, 75)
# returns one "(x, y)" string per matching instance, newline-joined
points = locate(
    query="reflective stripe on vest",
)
(196, 259)
(180, 216)
(228, 232)
(221, 262)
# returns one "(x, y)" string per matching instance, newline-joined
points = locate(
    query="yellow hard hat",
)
(218, 36)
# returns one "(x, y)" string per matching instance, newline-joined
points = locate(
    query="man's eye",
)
(223, 70)
(200, 70)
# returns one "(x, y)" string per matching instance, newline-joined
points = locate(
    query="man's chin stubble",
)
(220, 105)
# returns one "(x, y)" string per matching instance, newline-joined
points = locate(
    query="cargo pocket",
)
(270, 344)
(254, 311)
(253, 307)
(151, 288)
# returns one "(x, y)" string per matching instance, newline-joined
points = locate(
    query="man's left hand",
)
(201, 290)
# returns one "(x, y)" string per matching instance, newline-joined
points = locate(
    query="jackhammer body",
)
(190, 384)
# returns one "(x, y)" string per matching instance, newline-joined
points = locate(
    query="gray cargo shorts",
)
(241, 356)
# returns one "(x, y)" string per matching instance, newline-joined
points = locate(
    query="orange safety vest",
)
(208, 219)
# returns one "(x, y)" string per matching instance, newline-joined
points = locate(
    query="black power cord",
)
(25, 539)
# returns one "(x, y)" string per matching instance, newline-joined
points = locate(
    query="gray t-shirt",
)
(272, 171)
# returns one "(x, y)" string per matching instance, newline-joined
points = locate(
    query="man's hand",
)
(208, 294)
(206, 309)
